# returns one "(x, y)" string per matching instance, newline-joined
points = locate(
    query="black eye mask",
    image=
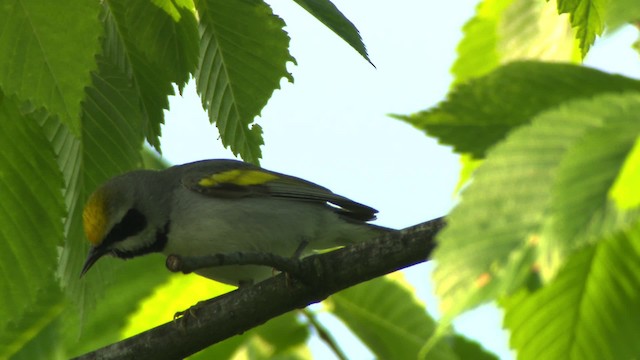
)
(131, 224)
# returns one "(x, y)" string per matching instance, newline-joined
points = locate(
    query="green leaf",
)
(385, 315)
(174, 7)
(257, 349)
(478, 49)
(46, 60)
(120, 298)
(469, 165)
(31, 213)
(587, 16)
(176, 294)
(620, 12)
(507, 30)
(153, 160)
(280, 338)
(533, 30)
(328, 14)
(624, 190)
(171, 44)
(150, 83)
(466, 349)
(181, 292)
(45, 343)
(589, 311)
(490, 244)
(244, 52)
(479, 113)
(283, 333)
(111, 141)
(579, 211)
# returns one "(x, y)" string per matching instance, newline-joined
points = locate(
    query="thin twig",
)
(324, 334)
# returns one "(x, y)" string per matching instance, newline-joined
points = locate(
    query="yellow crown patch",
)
(94, 218)
(238, 177)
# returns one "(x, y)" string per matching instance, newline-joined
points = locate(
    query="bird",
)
(220, 206)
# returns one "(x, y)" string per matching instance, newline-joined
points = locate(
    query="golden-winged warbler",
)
(216, 207)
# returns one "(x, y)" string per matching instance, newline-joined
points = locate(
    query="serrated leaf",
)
(491, 235)
(589, 311)
(31, 214)
(328, 14)
(45, 60)
(85, 326)
(479, 113)
(151, 83)
(587, 16)
(170, 43)
(579, 211)
(111, 142)
(625, 189)
(243, 56)
(508, 30)
(106, 323)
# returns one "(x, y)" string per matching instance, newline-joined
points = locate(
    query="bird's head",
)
(116, 219)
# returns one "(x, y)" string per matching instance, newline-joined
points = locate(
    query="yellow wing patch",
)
(94, 218)
(238, 177)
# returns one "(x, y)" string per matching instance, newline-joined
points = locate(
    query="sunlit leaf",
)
(479, 113)
(625, 189)
(490, 243)
(580, 210)
(589, 311)
(509, 30)
(587, 16)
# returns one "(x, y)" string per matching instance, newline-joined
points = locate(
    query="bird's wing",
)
(235, 179)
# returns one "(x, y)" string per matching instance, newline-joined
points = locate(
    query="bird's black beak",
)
(95, 253)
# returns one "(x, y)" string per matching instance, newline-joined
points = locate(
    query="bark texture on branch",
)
(238, 311)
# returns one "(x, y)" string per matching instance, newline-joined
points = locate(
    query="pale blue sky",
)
(331, 127)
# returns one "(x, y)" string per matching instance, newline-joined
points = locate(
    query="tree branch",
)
(240, 310)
